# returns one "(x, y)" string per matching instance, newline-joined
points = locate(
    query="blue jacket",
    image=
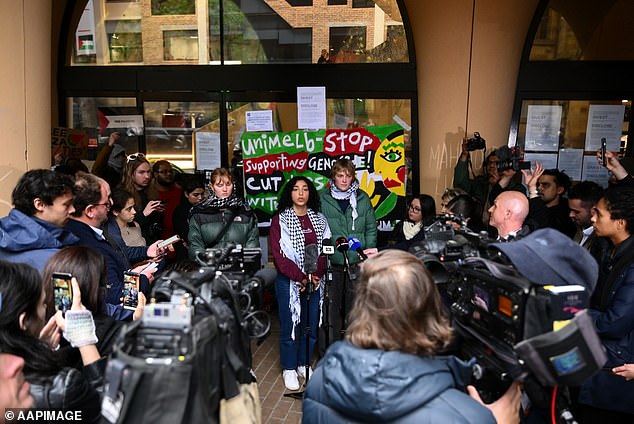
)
(369, 385)
(615, 327)
(30, 240)
(116, 263)
(133, 254)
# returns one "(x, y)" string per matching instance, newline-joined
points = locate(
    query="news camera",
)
(516, 329)
(193, 342)
(475, 143)
(511, 158)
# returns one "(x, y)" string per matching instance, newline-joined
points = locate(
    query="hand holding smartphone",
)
(62, 291)
(131, 286)
(167, 242)
(604, 145)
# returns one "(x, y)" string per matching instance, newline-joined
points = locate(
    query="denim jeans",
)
(293, 352)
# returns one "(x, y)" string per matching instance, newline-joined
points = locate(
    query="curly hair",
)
(620, 204)
(397, 307)
(44, 184)
(286, 200)
(127, 178)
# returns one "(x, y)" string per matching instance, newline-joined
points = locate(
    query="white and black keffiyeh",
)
(350, 194)
(292, 243)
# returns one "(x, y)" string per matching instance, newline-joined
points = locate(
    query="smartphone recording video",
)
(62, 291)
(131, 289)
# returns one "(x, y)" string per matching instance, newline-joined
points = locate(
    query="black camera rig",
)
(475, 143)
(515, 328)
(193, 341)
(511, 158)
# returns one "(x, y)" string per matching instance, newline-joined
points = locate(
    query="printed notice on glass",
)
(548, 160)
(570, 161)
(207, 150)
(259, 120)
(542, 128)
(311, 108)
(593, 171)
(605, 121)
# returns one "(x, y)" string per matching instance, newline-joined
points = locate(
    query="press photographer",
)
(486, 184)
(192, 345)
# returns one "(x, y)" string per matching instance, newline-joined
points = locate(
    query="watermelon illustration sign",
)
(270, 159)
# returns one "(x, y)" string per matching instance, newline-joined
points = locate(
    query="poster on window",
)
(604, 121)
(271, 159)
(85, 35)
(542, 128)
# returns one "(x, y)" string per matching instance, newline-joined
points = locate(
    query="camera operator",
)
(484, 188)
(385, 370)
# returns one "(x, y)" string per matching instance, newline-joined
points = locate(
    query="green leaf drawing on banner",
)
(386, 206)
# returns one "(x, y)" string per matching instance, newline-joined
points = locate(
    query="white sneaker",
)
(290, 379)
(301, 371)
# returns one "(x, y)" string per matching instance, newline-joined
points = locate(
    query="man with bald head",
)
(507, 215)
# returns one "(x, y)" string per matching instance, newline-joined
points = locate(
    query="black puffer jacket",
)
(71, 390)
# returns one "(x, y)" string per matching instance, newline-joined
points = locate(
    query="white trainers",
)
(301, 371)
(290, 379)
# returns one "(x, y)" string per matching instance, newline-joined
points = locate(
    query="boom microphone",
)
(355, 245)
(342, 244)
(311, 254)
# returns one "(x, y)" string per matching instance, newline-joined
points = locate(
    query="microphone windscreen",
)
(354, 243)
(311, 254)
(326, 242)
(342, 244)
(267, 275)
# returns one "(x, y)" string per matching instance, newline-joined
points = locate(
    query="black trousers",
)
(340, 298)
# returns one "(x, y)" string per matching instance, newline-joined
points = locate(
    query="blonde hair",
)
(397, 307)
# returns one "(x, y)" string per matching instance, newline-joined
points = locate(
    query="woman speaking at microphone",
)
(296, 235)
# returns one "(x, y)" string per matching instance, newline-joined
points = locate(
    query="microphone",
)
(355, 245)
(342, 244)
(311, 254)
(327, 247)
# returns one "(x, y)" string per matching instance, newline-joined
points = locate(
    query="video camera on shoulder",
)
(476, 143)
(511, 158)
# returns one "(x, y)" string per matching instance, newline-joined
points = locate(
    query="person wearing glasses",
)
(420, 213)
(92, 203)
(222, 219)
(169, 193)
(33, 231)
(137, 179)
(193, 193)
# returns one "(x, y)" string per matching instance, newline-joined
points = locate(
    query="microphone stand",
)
(344, 288)
(308, 290)
(327, 302)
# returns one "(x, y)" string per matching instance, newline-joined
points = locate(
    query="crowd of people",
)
(372, 313)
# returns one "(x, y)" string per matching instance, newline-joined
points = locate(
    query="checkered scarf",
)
(350, 194)
(293, 245)
(216, 202)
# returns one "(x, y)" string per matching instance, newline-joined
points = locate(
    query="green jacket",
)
(206, 224)
(341, 223)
